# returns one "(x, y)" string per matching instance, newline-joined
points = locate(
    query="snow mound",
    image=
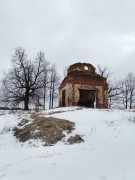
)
(48, 130)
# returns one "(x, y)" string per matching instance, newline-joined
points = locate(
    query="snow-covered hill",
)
(108, 152)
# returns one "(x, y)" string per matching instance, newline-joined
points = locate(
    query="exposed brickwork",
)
(83, 76)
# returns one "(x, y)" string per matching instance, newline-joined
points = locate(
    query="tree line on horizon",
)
(121, 92)
(35, 84)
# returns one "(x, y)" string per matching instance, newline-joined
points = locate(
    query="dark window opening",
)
(87, 98)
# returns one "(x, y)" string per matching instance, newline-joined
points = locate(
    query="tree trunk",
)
(26, 100)
(44, 97)
(52, 93)
(126, 102)
(131, 96)
(26, 104)
(50, 101)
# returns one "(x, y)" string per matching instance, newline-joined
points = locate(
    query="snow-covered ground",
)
(108, 152)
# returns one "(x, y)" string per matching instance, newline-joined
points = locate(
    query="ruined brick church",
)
(83, 87)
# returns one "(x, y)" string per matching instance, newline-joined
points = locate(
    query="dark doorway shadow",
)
(87, 98)
(63, 98)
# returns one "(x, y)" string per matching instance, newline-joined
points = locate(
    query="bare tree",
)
(41, 94)
(21, 82)
(53, 88)
(38, 99)
(65, 71)
(127, 95)
(112, 85)
(131, 78)
(114, 92)
(104, 71)
(45, 82)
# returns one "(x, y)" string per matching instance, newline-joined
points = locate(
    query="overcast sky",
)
(69, 31)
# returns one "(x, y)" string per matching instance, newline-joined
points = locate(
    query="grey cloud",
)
(98, 32)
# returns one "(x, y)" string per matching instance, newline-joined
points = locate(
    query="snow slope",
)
(108, 152)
